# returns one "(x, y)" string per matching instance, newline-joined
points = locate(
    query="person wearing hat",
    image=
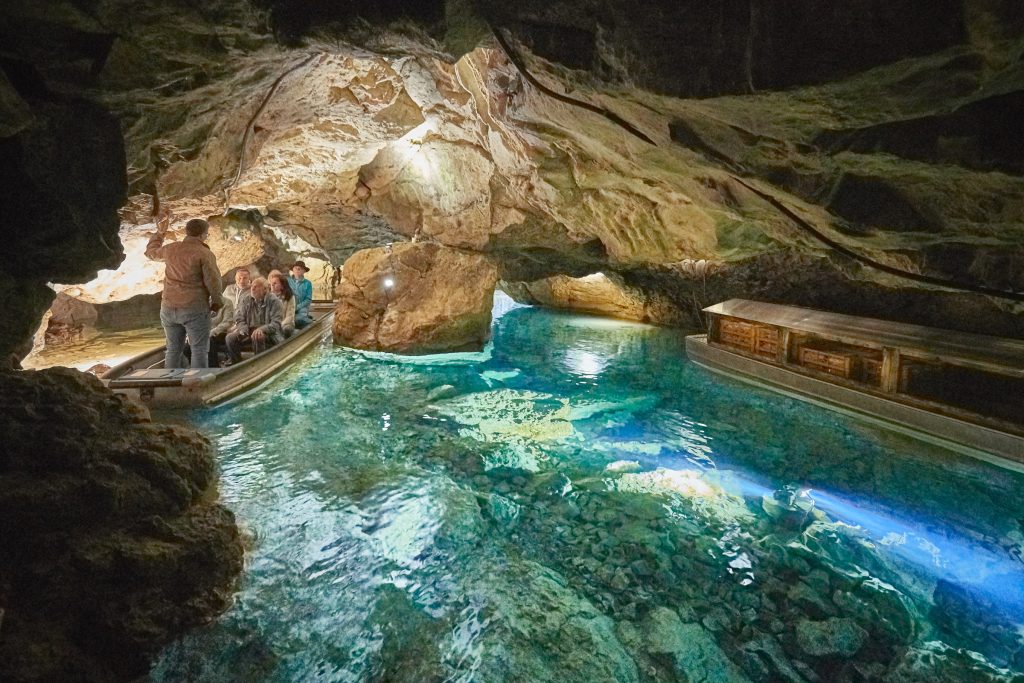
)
(303, 291)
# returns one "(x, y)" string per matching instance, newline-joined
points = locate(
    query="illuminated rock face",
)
(355, 149)
(597, 294)
(322, 150)
(415, 298)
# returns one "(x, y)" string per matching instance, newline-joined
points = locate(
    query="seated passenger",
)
(225, 318)
(303, 291)
(280, 288)
(257, 322)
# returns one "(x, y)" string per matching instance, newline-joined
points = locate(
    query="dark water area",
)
(581, 503)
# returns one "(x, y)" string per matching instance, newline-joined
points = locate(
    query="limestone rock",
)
(111, 544)
(597, 294)
(415, 298)
(58, 216)
(70, 311)
(628, 45)
(663, 631)
(836, 637)
(356, 148)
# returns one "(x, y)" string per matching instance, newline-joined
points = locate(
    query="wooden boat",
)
(144, 378)
(963, 391)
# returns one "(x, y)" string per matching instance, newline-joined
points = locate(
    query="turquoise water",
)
(581, 503)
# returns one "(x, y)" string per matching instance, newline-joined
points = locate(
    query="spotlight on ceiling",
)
(389, 283)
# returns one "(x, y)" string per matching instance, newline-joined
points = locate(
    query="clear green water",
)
(581, 503)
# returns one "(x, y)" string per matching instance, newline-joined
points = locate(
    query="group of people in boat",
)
(202, 322)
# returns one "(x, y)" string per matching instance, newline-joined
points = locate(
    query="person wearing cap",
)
(303, 291)
(191, 290)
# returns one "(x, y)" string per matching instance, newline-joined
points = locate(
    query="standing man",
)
(257, 320)
(191, 290)
(225, 318)
(303, 291)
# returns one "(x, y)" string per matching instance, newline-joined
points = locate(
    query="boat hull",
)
(978, 441)
(217, 386)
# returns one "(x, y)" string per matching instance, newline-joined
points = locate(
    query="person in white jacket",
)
(225, 318)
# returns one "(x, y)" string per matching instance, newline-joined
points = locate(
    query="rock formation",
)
(897, 146)
(58, 220)
(890, 149)
(597, 294)
(856, 158)
(111, 543)
(415, 298)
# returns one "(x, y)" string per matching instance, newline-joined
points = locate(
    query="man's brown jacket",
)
(192, 278)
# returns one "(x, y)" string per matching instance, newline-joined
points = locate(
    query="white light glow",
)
(421, 162)
(585, 363)
(389, 283)
(686, 482)
(409, 149)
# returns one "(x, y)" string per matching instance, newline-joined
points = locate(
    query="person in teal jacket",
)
(303, 291)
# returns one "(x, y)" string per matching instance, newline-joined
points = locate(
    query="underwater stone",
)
(832, 637)
(789, 508)
(764, 647)
(544, 631)
(663, 631)
(810, 601)
(442, 391)
(936, 661)
(503, 510)
(695, 655)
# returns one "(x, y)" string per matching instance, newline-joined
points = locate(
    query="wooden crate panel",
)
(767, 342)
(736, 333)
(826, 361)
(871, 371)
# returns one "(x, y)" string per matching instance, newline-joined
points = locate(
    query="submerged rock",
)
(111, 545)
(830, 638)
(542, 630)
(695, 655)
(936, 662)
(415, 298)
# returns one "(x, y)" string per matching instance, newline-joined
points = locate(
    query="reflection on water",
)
(581, 503)
(108, 348)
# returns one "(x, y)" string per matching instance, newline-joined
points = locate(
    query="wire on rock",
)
(520, 65)
(252, 120)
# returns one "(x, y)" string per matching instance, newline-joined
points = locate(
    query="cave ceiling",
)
(748, 137)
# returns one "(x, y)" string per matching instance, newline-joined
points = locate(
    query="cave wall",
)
(699, 49)
(63, 174)
(324, 128)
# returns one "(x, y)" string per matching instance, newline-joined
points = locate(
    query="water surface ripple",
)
(581, 503)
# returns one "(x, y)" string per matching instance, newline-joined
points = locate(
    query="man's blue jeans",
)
(179, 322)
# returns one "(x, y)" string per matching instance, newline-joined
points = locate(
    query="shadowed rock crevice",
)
(984, 135)
(696, 49)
